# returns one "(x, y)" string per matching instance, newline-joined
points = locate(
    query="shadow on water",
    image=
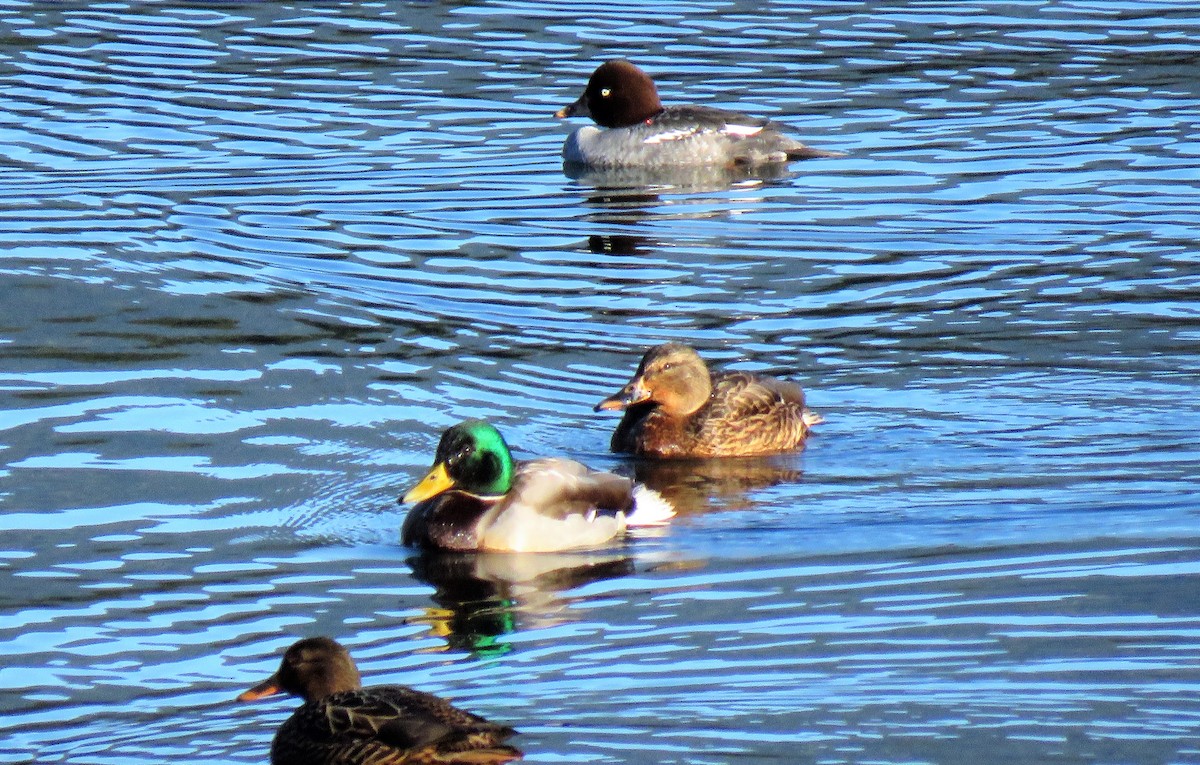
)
(256, 256)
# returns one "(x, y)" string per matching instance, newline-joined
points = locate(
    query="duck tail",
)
(811, 418)
(649, 508)
(807, 152)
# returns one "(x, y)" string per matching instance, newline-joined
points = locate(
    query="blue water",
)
(255, 257)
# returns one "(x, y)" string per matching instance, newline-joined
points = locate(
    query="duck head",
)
(672, 376)
(312, 668)
(472, 457)
(618, 94)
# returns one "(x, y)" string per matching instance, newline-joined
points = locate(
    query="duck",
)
(343, 723)
(476, 497)
(638, 131)
(676, 408)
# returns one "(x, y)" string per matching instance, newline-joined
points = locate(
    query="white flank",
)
(649, 508)
(812, 418)
(742, 130)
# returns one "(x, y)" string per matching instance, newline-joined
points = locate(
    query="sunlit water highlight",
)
(257, 256)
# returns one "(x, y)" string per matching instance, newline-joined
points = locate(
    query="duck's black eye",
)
(605, 92)
(459, 455)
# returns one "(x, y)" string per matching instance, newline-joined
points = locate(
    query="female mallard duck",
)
(675, 408)
(342, 723)
(476, 498)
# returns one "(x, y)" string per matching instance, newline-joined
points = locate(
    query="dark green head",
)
(471, 457)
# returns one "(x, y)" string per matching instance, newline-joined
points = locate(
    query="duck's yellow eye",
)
(605, 92)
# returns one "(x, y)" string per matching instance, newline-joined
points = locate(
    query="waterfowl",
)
(342, 723)
(674, 407)
(638, 131)
(475, 497)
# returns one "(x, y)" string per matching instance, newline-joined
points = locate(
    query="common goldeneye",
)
(641, 132)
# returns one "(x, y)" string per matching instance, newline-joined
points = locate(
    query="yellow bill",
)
(433, 484)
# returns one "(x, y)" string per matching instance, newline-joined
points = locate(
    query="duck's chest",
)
(660, 435)
(449, 521)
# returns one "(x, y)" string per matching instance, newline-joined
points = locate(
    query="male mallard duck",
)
(675, 408)
(476, 498)
(342, 723)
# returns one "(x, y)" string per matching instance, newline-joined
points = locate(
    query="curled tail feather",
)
(649, 508)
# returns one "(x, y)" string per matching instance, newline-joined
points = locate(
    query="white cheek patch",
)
(742, 131)
(671, 135)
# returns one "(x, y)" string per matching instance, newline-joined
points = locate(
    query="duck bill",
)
(433, 484)
(577, 109)
(268, 687)
(633, 393)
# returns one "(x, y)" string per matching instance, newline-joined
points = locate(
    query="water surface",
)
(256, 257)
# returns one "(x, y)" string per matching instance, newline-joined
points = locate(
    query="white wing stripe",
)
(671, 135)
(742, 130)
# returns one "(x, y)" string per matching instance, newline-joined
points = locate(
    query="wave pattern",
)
(255, 257)
(1051, 652)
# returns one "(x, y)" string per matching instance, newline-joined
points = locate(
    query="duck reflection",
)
(482, 597)
(701, 485)
(680, 179)
(625, 197)
(619, 244)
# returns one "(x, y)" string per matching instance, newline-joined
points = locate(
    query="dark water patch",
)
(256, 258)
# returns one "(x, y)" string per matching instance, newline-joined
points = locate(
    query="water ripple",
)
(257, 257)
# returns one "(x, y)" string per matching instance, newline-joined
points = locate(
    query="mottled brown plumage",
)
(675, 408)
(342, 723)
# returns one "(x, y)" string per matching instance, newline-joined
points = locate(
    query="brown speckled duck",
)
(342, 723)
(675, 408)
